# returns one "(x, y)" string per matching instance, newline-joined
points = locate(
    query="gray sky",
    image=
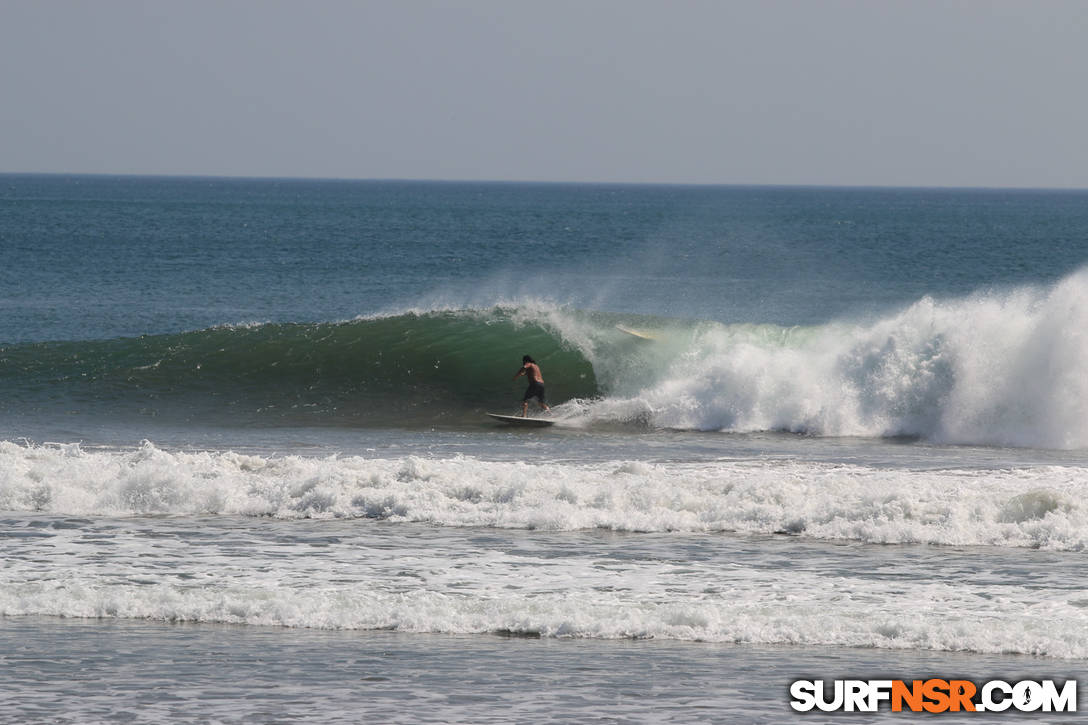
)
(882, 92)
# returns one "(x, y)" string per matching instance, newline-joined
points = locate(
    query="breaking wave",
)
(1000, 368)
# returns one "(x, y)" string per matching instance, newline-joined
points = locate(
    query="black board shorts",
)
(536, 390)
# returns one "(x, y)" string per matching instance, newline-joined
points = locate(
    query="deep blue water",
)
(102, 257)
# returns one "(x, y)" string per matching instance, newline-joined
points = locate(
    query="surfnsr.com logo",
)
(933, 695)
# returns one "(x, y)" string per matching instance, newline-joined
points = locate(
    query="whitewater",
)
(1033, 507)
(1005, 368)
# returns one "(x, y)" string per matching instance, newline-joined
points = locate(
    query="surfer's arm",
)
(520, 373)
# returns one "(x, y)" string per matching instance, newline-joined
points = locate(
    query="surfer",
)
(531, 370)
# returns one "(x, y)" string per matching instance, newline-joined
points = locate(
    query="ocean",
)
(247, 476)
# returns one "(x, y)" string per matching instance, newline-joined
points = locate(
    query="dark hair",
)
(526, 358)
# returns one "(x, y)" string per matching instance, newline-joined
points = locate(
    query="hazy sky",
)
(886, 92)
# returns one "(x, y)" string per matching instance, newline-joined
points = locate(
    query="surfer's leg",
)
(525, 401)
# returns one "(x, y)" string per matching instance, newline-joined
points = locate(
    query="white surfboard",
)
(635, 333)
(518, 420)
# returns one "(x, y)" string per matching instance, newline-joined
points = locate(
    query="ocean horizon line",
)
(538, 182)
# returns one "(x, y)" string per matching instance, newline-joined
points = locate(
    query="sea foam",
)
(1000, 368)
(803, 611)
(1037, 506)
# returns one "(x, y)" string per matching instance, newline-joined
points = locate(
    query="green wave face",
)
(411, 368)
(415, 369)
